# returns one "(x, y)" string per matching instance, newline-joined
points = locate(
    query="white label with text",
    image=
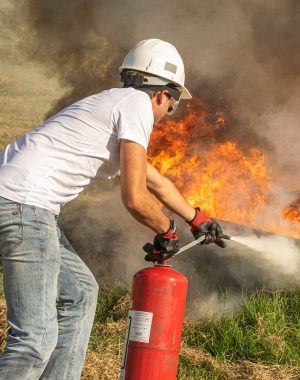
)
(140, 327)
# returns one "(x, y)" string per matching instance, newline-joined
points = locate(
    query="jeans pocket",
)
(11, 229)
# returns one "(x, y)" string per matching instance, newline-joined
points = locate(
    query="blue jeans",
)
(51, 297)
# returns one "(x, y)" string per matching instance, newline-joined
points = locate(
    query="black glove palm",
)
(164, 245)
(202, 225)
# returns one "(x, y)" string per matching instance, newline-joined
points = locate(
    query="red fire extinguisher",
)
(153, 336)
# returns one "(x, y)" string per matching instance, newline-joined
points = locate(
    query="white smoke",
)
(243, 57)
(282, 253)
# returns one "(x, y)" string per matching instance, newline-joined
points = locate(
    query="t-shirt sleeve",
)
(134, 118)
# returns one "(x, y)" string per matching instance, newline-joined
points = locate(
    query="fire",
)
(221, 178)
(292, 213)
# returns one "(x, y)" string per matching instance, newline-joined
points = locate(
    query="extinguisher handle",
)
(164, 246)
(190, 245)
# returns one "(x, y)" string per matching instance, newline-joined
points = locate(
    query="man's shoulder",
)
(130, 97)
(128, 92)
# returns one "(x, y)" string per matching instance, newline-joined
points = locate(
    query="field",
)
(259, 340)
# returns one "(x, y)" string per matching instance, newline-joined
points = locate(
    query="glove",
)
(165, 245)
(202, 225)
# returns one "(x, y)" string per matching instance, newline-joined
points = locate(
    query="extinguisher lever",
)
(190, 245)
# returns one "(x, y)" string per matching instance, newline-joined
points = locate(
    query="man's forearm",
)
(166, 192)
(135, 195)
(147, 211)
(172, 199)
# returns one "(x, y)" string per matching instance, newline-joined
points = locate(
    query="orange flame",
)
(226, 182)
(292, 213)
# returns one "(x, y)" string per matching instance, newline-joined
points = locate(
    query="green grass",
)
(108, 298)
(101, 336)
(265, 329)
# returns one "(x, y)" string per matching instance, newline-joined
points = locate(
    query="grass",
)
(265, 329)
(262, 336)
(259, 341)
(1, 282)
(25, 96)
(107, 325)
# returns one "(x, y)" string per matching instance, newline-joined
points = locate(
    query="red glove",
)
(202, 225)
(164, 246)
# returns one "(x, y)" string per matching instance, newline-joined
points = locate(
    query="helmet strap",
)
(137, 80)
(132, 79)
(174, 93)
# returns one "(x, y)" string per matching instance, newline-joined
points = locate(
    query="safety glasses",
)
(173, 105)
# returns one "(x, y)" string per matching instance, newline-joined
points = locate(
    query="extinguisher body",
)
(155, 321)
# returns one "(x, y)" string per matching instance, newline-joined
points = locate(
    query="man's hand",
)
(202, 225)
(164, 246)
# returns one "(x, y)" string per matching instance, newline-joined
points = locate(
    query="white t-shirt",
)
(51, 165)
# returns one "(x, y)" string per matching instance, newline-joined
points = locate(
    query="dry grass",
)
(197, 355)
(101, 366)
(105, 366)
(105, 363)
(252, 371)
(3, 324)
(245, 370)
(25, 97)
(121, 309)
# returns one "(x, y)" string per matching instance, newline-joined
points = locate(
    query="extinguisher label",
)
(140, 326)
(138, 329)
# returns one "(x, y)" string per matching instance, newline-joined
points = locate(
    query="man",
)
(51, 295)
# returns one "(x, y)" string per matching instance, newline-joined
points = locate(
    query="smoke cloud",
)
(110, 242)
(243, 58)
(219, 278)
(280, 251)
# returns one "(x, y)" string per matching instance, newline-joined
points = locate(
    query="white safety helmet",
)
(160, 63)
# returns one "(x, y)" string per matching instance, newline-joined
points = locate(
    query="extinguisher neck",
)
(165, 263)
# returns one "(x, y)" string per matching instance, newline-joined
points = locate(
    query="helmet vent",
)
(170, 67)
